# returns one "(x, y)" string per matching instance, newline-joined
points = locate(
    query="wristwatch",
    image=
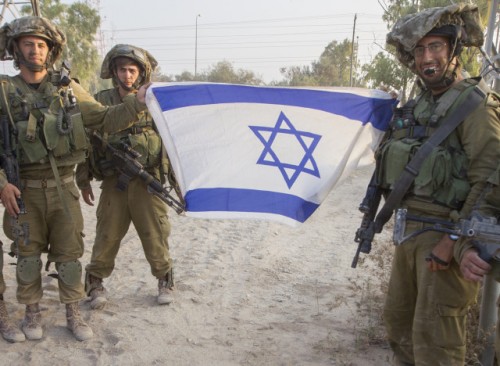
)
(453, 237)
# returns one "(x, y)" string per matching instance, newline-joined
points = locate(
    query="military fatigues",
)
(488, 206)
(425, 312)
(42, 145)
(116, 209)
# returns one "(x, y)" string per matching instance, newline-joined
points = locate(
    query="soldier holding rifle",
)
(434, 162)
(46, 113)
(125, 197)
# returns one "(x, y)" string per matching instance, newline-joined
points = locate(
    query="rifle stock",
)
(125, 161)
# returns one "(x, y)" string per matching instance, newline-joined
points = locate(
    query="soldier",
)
(129, 67)
(428, 299)
(472, 266)
(47, 113)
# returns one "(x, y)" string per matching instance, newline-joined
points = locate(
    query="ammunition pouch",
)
(441, 177)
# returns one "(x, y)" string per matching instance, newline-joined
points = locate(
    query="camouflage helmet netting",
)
(31, 26)
(145, 60)
(413, 27)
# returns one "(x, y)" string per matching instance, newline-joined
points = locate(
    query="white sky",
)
(257, 35)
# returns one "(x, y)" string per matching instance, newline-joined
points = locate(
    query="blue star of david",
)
(282, 130)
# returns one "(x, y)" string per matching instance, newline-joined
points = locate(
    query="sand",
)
(247, 293)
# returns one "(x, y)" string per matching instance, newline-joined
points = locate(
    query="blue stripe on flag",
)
(248, 200)
(352, 106)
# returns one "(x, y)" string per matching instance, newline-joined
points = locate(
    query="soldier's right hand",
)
(141, 93)
(88, 196)
(9, 195)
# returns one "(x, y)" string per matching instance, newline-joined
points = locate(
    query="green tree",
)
(224, 72)
(332, 69)
(334, 65)
(386, 70)
(80, 23)
(297, 76)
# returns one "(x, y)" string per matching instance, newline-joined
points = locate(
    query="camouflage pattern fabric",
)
(413, 27)
(139, 55)
(30, 26)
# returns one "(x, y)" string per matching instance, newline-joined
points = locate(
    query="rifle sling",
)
(412, 169)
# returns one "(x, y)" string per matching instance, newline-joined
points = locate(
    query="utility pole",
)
(196, 46)
(352, 48)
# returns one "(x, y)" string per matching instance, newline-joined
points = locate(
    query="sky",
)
(259, 35)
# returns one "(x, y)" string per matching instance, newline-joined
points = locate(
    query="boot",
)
(9, 331)
(96, 291)
(80, 329)
(166, 288)
(31, 324)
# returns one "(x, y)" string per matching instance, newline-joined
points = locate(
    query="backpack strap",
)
(450, 123)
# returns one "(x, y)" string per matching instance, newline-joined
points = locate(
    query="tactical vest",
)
(43, 128)
(442, 178)
(141, 137)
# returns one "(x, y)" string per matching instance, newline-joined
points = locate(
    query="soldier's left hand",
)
(473, 267)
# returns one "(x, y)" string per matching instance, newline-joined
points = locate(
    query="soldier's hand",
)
(88, 196)
(473, 267)
(141, 93)
(441, 256)
(9, 195)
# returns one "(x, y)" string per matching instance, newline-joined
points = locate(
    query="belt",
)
(45, 183)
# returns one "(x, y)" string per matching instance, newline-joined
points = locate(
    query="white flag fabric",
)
(264, 152)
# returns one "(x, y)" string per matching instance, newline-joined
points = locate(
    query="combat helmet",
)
(146, 62)
(30, 26)
(459, 22)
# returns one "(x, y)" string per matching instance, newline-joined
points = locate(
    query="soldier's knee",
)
(29, 269)
(70, 273)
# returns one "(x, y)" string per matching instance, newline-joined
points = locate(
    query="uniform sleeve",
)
(82, 175)
(480, 136)
(107, 118)
(3, 179)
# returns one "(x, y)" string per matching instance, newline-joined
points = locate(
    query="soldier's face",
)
(34, 49)
(127, 73)
(431, 58)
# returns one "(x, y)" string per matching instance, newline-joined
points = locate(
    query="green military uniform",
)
(47, 135)
(51, 228)
(425, 312)
(116, 209)
(488, 206)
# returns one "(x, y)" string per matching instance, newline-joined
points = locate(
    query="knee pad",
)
(70, 273)
(29, 269)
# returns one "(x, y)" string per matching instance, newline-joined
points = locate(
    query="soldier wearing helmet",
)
(46, 114)
(428, 299)
(129, 67)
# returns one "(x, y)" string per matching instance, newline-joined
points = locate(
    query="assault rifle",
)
(11, 169)
(366, 231)
(124, 160)
(484, 231)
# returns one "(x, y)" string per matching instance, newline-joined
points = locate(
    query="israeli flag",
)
(264, 152)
